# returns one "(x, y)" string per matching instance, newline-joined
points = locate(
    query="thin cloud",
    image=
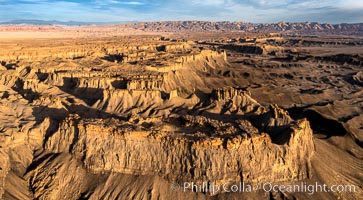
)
(132, 3)
(126, 2)
(331, 11)
(109, 2)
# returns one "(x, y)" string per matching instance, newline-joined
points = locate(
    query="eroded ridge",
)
(154, 111)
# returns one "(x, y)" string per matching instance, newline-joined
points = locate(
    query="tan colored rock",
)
(75, 124)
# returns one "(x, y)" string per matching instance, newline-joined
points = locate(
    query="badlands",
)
(137, 111)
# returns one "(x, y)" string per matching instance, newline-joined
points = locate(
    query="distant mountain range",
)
(55, 22)
(281, 27)
(206, 26)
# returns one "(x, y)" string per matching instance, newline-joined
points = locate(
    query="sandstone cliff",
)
(133, 117)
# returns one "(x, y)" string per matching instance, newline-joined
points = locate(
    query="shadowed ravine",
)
(132, 117)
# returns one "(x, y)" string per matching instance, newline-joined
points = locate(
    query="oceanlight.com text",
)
(241, 187)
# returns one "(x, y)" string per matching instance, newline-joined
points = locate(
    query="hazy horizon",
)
(50, 22)
(254, 11)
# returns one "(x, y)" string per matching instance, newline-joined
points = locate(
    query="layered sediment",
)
(120, 118)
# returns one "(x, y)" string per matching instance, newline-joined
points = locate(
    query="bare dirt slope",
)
(131, 117)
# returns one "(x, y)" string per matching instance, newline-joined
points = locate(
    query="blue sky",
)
(331, 11)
